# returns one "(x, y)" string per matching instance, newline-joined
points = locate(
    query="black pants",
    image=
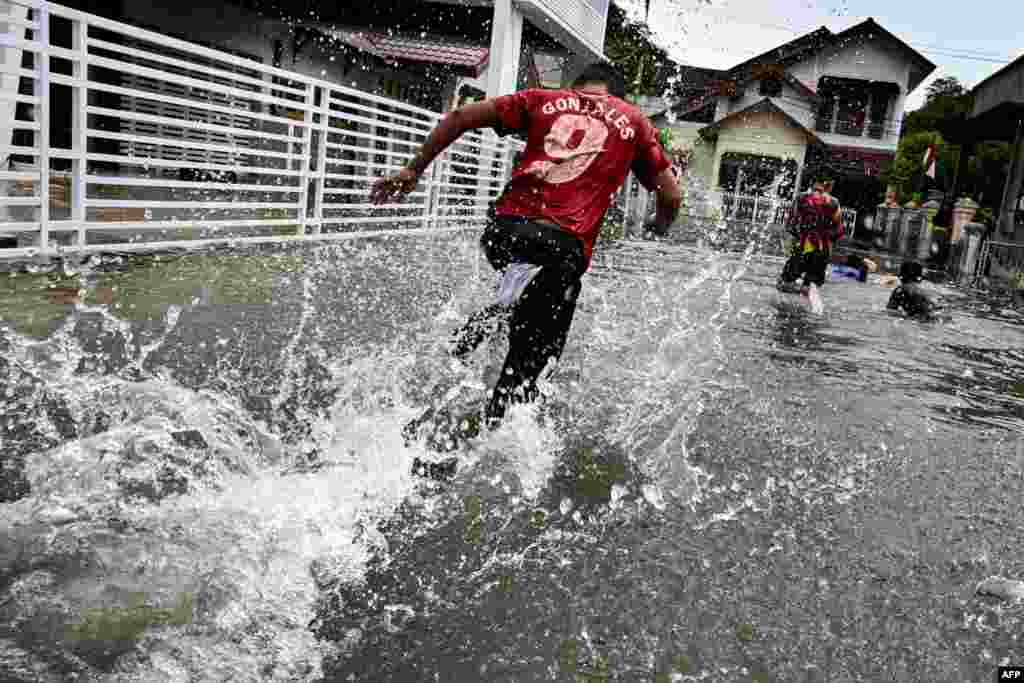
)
(540, 319)
(812, 265)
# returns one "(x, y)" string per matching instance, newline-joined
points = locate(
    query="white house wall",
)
(793, 102)
(870, 60)
(702, 162)
(760, 134)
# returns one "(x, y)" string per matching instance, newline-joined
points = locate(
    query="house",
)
(825, 100)
(998, 114)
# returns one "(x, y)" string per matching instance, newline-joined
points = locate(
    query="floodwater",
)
(204, 478)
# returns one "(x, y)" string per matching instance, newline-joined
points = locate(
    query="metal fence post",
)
(321, 95)
(80, 130)
(43, 70)
(430, 197)
(306, 157)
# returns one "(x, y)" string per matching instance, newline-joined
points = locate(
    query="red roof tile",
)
(471, 57)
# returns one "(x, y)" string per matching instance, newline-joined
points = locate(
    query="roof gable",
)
(810, 44)
(870, 28)
(765, 106)
(789, 53)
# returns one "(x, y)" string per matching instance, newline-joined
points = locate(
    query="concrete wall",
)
(1007, 86)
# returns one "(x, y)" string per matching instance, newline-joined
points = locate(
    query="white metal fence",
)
(117, 137)
(715, 206)
(1003, 260)
(114, 135)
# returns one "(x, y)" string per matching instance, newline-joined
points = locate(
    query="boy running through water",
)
(817, 224)
(581, 144)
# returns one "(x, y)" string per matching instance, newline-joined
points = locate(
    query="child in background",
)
(816, 224)
(909, 297)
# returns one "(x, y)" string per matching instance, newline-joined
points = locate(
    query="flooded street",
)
(718, 485)
(237, 240)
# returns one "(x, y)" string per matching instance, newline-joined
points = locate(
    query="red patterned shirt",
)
(817, 219)
(579, 148)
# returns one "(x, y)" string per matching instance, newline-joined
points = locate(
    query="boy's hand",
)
(399, 184)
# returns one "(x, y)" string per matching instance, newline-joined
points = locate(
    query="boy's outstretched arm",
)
(668, 200)
(448, 130)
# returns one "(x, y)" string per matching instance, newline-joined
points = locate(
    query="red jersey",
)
(579, 148)
(817, 219)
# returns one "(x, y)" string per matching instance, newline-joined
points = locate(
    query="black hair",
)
(601, 72)
(911, 271)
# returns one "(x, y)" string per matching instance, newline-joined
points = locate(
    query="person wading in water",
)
(581, 143)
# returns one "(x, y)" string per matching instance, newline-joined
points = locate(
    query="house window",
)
(844, 105)
(700, 107)
(770, 87)
(416, 93)
(755, 174)
(883, 94)
(824, 116)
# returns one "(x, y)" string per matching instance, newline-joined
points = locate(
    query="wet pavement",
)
(719, 485)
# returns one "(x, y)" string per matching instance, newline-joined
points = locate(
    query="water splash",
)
(291, 368)
(183, 493)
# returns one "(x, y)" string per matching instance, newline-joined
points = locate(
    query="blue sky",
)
(969, 40)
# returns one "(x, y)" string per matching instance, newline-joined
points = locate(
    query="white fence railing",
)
(122, 136)
(716, 205)
(1003, 260)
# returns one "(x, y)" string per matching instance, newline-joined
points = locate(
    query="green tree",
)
(906, 172)
(945, 87)
(985, 174)
(629, 44)
(945, 113)
(945, 110)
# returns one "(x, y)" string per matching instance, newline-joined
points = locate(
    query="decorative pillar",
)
(973, 233)
(907, 217)
(924, 242)
(881, 219)
(893, 223)
(963, 213)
